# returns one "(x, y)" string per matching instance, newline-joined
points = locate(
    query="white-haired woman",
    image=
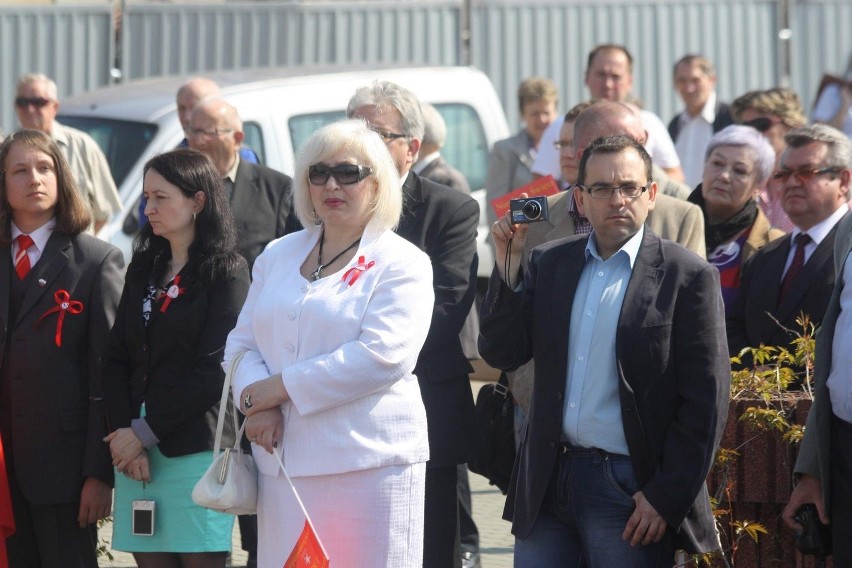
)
(737, 165)
(334, 321)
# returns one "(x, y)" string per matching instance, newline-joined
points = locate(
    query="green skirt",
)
(179, 524)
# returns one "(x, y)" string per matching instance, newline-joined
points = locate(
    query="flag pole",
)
(298, 499)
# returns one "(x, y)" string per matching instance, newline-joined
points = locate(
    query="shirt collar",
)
(819, 231)
(708, 113)
(630, 248)
(425, 161)
(40, 236)
(232, 173)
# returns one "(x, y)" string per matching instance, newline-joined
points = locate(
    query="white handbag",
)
(230, 483)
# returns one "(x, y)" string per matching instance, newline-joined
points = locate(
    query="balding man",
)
(189, 95)
(259, 196)
(36, 104)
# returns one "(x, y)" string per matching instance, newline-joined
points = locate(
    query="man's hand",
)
(124, 447)
(807, 490)
(95, 501)
(265, 428)
(645, 525)
(502, 231)
(264, 395)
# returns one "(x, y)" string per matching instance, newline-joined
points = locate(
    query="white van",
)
(280, 109)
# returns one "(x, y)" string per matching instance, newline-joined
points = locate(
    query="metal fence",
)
(508, 39)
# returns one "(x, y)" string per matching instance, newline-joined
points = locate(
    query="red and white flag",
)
(308, 551)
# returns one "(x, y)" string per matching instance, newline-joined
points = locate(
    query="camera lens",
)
(532, 210)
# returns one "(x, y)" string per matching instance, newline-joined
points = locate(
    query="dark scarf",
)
(720, 233)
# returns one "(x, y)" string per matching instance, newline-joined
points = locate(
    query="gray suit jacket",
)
(672, 219)
(509, 167)
(815, 451)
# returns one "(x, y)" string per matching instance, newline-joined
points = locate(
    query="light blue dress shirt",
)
(592, 413)
(840, 377)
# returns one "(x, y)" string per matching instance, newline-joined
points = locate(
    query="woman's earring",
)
(194, 215)
(314, 214)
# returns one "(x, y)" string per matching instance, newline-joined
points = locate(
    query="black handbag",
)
(495, 410)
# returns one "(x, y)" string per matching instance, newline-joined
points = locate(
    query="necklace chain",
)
(315, 275)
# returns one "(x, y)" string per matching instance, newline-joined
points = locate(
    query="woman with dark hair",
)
(59, 288)
(162, 372)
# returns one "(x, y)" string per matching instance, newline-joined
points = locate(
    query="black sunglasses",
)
(761, 124)
(24, 102)
(344, 174)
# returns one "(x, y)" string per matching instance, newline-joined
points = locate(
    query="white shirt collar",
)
(425, 161)
(40, 236)
(630, 248)
(819, 231)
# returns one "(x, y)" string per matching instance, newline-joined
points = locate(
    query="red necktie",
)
(22, 259)
(802, 239)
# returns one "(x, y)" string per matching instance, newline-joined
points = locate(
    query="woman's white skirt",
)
(365, 519)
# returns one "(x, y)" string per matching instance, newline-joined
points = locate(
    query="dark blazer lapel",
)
(813, 269)
(567, 270)
(48, 267)
(641, 291)
(768, 282)
(5, 275)
(412, 198)
(245, 190)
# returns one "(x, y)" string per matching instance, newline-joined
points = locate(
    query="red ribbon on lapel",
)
(173, 292)
(354, 273)
(64, 304)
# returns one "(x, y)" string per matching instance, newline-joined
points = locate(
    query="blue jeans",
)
(583, 516)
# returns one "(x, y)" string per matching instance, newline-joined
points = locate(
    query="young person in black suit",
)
(59, 288)
(162, 372)
(441, 222)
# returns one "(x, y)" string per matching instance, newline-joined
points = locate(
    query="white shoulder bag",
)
(230, 483)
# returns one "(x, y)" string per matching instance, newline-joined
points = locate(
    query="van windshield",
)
(122, 141)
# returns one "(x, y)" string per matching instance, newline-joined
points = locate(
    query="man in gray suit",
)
(824, 465)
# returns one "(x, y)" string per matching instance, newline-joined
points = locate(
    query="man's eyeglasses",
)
(387, 136)
(607, 191)
(200, 132)
(761, 124)
(344, 174)
(804, 174)
(38, 102)
(563, 145)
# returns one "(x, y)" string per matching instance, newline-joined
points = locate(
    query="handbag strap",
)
(223, 406)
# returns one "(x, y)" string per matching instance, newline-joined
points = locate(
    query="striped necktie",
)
(22, 259)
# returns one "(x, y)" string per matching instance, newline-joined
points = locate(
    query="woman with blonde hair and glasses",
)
(334, 321)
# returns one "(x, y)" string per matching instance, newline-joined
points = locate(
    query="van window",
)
(122, 141)
(466, 147)
(254, 139)
(303, 125)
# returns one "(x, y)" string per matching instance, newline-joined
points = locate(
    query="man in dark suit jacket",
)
(259, 196)
(704, 115)
(442, 222)
(774, 288)
(612, 464)
(51, 410)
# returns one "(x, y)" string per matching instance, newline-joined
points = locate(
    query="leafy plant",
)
(776, 377)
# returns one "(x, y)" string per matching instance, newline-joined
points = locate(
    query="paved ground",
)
(495, 539)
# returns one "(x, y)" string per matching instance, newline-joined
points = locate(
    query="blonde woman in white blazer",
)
(334, 321)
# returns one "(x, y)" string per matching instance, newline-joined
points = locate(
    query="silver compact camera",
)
(529, 209)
